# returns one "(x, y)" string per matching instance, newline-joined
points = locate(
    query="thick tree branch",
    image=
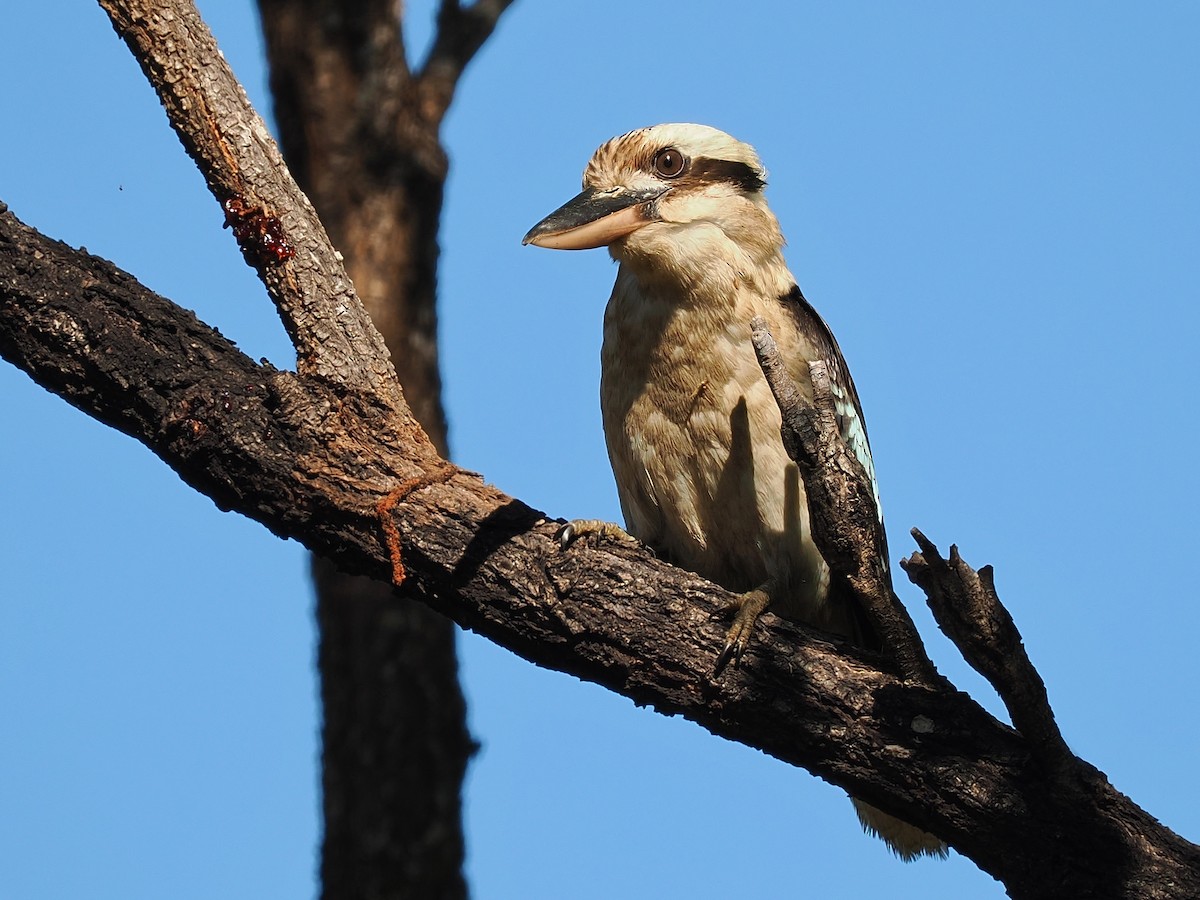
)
(276, 226)
(310, 460)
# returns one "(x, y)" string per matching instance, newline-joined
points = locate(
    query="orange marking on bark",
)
(384, 508)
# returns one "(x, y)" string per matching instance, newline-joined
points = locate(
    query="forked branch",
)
(850, 536)
(968, 610)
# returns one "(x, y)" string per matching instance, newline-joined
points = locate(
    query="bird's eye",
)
(669, 163)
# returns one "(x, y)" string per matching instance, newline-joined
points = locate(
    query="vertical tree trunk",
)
(395, 740)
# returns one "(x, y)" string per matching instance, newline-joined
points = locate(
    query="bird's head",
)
(665, 190)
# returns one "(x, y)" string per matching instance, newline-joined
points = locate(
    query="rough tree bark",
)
(335, 459)
(360, 130)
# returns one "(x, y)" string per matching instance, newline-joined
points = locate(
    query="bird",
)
(691, 425)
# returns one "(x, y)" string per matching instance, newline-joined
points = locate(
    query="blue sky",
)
(996, 209)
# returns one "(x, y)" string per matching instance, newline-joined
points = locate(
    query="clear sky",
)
(996, 207)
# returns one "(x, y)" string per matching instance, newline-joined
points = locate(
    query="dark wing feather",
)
(851, 422)
(853, 427)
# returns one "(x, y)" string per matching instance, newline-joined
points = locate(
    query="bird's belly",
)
(704, 478)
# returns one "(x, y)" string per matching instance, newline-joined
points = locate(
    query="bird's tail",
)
(907, 841)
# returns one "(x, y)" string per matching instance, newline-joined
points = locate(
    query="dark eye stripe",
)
(709, 171)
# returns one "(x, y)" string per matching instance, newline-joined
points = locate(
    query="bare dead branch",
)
(845, 522)
(968, 610)
(277, 228)
(461, 31)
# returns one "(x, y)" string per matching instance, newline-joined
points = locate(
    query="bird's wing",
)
(851, 421)
(853, 427)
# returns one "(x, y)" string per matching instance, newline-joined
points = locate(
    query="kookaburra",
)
(692, 428)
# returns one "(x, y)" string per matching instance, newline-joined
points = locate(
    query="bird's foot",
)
(746, 609)
(598, 528)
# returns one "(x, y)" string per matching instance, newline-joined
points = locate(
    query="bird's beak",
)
(595, 219)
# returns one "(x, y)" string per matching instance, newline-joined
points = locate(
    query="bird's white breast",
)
(693, 436)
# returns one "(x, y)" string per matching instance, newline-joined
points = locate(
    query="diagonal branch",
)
(276, 226)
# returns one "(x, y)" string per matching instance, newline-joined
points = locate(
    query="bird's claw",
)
(566, 535)
(731, 652)
(746, 609)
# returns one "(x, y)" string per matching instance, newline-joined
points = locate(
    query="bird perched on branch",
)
(692, 428)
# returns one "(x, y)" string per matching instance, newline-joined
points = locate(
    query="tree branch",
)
(277, 228)
(460, 33)
(968, 610)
